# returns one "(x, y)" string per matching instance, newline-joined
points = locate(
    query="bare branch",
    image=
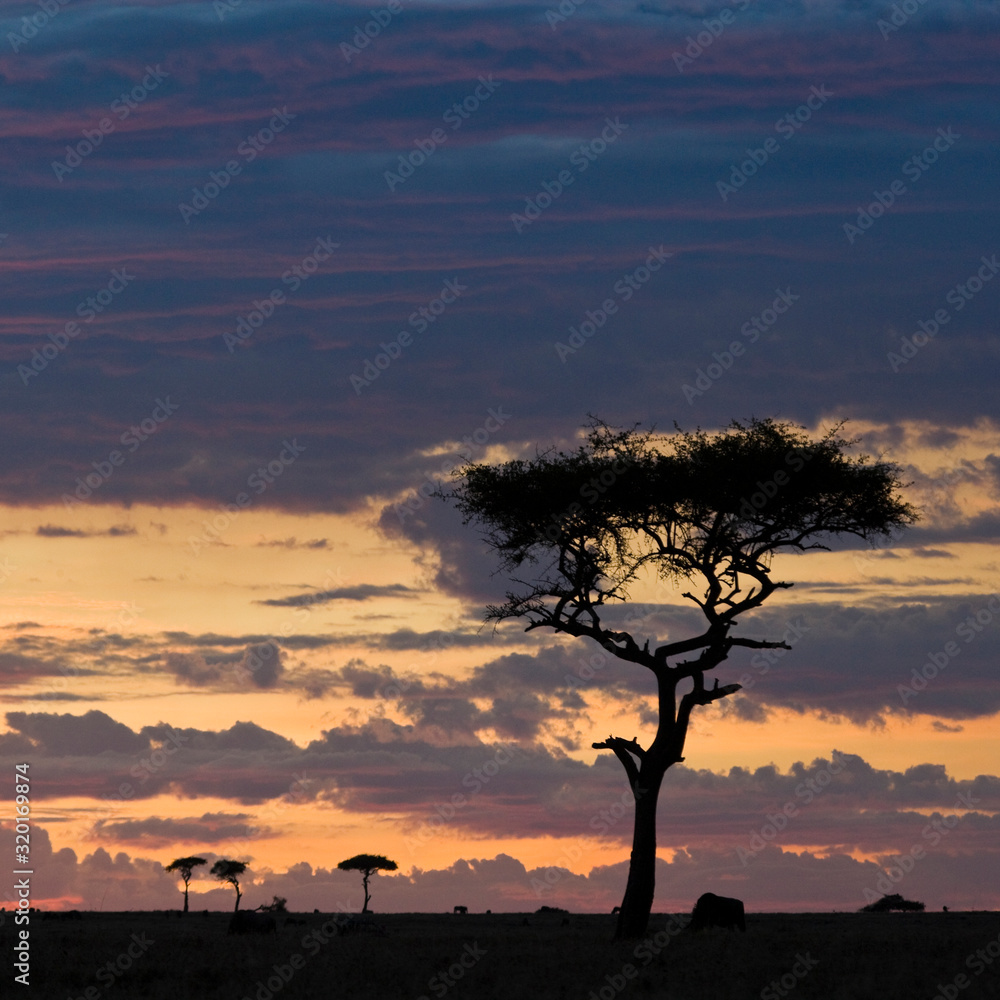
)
(624, 750)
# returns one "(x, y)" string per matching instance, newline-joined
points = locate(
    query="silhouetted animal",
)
(461, 909)
(717, 911)
(243, 922)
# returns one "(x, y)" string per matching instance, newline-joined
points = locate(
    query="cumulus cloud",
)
(154, 832)
(778, 880)
(92, 734)
(260, 665)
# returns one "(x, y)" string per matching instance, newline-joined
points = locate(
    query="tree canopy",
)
(185, 867)
(226, 870)
(367, 864)
(710, 508)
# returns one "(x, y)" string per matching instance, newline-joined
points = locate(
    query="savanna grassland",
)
(834, 956)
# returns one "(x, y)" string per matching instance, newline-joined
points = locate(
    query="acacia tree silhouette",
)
(367, 864)
(705, 509)
(230, 871)
(184, 867)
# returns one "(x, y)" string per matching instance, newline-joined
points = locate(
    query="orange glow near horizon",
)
(138, 575)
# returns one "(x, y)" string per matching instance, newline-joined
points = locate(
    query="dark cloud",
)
(324, 177)
(20, 668)
(294, 543)
(260, 665)
(56, 531)
(932, 657)
(512, 789)
(361, 592)
(155, 833)
(76, 735)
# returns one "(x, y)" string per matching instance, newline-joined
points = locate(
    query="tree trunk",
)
(638, 902)
(185, 897)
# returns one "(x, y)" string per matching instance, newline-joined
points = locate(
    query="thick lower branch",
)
(624, 749)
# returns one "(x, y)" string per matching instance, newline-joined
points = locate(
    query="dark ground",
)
(832, 956)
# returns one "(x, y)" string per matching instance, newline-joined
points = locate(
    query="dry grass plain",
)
(832, 956)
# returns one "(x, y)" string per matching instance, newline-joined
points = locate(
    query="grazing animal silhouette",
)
(243, 922)
(717, 911)
(461, 909)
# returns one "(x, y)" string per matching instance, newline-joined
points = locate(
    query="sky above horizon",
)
(273, 270)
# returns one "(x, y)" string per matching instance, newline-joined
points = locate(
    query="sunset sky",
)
(272, 270)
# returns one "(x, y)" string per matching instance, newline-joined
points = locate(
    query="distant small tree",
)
(892, 902)
(279, 904)
(367, 864)
(184, 867)
(230, 871)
